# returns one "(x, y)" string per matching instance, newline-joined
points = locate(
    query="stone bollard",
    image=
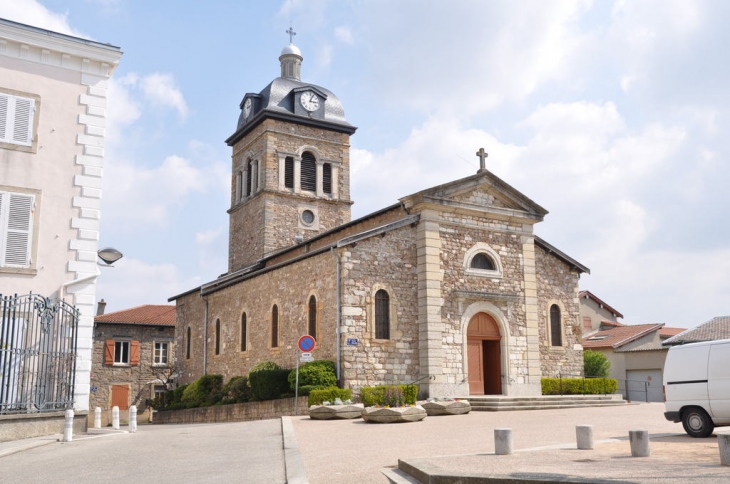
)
(502, 441)
(639, 443)
(132, 419)
(723, 442)
(584, 437)
(97, 418)
(115, 418)
(68, 429)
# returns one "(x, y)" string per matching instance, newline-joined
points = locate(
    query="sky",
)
(609, 114)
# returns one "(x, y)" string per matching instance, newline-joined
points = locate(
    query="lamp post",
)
(109, 256)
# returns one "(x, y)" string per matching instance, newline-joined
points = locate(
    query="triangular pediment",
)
(481, 193)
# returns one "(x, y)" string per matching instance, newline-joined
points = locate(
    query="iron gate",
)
(37, 354)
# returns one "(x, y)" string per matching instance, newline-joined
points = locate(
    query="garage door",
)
(644, 384)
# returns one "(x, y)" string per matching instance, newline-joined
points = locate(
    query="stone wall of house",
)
(137, 377)
(557, 283)
(289, 287)
(380, 262)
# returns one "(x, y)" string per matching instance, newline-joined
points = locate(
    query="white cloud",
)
(343, 34)
(212, 248)
(32, 12)
(161, 90)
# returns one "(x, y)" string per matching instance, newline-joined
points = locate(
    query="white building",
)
(53, 110)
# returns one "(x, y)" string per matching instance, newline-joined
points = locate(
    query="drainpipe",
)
(90, 277)
(205, 337)
(338, 318)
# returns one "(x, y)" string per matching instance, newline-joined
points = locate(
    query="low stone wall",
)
(27, 425)
(236, 412)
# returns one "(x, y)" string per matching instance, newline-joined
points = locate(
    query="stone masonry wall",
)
(557, 283)
(137, 377)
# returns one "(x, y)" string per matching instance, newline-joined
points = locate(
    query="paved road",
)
(241, 452)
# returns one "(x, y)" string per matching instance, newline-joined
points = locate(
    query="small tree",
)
(596, 364)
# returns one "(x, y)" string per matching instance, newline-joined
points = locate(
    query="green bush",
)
(319, 395)
(579, 386)
(268, 384)
(237, 390)
(389, 395)
(320, 373)
(264, 365)
(206, 390)
(596, 364)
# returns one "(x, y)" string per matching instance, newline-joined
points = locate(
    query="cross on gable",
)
(482, 156)
(291, 33)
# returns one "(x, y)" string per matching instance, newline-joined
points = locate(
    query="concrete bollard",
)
(723, 442)
(639, 443)
(502, 441)
(584, 437)
(115, 418)
(132, 419)
(97, 418)
(68, 429)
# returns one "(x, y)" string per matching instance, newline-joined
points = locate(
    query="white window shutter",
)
(23, 124)
(17, 209)
(4, 108)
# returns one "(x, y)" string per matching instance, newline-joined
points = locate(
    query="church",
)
(449, 287)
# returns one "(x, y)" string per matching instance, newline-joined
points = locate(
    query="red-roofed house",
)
(637, 356)
(133, 359)
(595, 313)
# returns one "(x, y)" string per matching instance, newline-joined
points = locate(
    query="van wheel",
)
(697, 423)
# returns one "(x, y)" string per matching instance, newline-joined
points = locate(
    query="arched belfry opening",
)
(484, 359)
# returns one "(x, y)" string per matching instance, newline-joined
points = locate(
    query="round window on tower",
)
(308, 217)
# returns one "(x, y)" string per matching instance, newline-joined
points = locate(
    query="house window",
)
(121, 352)
(587, 323)
(187, 344)
(482, 261)
(16, 227)
(244, 332)
(217, 336)
(313, 317)
(289, 172)
(309, 172)
(161, 353)
(274, 326)
(327, 178)
(556, 338)
(382, 315)
(16, 119)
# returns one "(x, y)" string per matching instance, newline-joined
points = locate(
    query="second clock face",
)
(309, 101)
(247, 108)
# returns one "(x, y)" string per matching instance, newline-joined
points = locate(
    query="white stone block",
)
(96, 91)
(90, 213)
(92, 120)
(85, 223)
(89, 160)
(87, 181)
(84, 139)
(83, 245)
(93, 80)
(94, 151)
(91, 192)
(95, 130)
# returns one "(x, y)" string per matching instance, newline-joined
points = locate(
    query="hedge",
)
(315, 374)
(391, 395)
(579, 386)
(268, 384)
(329, 394)
(205, 391)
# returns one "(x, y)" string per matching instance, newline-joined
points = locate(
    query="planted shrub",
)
(264, 365)
(237, 390)
(578, 386)
(315, 374)
(268, 384)
(329, 394)
(389, 395)
(596, 364)
(206, 390)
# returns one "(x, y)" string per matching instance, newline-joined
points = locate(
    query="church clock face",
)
(247, 108)
(309, 101)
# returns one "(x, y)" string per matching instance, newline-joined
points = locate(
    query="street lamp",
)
(109, 255)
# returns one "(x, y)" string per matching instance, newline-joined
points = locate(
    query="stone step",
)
(505, 403)
(538, 407)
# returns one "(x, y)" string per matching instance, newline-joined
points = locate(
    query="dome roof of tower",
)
(291, 49)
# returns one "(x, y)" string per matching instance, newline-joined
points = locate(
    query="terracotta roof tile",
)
(148, 314)
(618, 336)
(714, 329)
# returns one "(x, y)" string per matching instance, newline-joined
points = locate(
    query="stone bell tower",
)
(291, 165)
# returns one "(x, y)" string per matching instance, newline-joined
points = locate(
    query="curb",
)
(293, 462)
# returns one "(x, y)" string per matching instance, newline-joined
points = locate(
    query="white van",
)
(697, 386)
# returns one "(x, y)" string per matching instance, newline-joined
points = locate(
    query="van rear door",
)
(719, 380)
(685, 377)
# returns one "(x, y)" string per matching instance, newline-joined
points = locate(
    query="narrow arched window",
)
(556, 333)
(382, 315)
(187, 344)
(217, 336)
(289, 172)
(274, 326)
(244, 332)
(313, 317)
(249, 175)
(482, 261)
(309, 172)
(239, 186)
(327, 178)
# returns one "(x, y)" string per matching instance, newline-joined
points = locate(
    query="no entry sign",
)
(306, 343)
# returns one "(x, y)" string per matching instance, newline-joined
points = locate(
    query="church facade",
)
(449, 287)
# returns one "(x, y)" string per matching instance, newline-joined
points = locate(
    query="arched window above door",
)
(482, 260)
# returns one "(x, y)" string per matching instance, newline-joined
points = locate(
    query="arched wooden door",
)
(483, 355)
